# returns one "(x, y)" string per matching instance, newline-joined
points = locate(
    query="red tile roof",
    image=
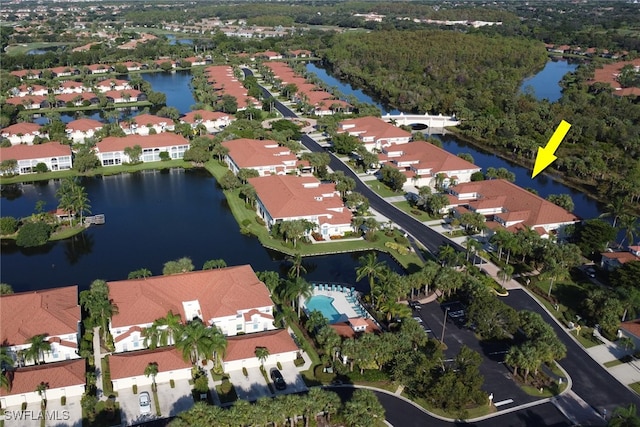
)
(244, 346)
(287, 196)
(120, 94)
(428, 156)
(72, 97)
(633, 327)
(252, 153)
(621, 257)
(499, 192)
(23, 128)
(373, 127)
(26, 100)
(40, 151)
(131, 364)
(84, 125)
(205, 115)
(220, 292)
(56, 375)
(114, 143)
(148, 119)
(27, 314)
(112, 82)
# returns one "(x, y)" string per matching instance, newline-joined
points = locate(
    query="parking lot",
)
(497, 376)
(254, 386)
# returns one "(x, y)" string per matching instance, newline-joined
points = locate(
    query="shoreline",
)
(501, 154)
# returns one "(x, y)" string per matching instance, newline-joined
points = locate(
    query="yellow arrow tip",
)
(544, 158)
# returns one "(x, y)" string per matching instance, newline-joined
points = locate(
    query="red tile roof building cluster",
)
(226, 83)
(265, 156)
(374, 132)
(609, 74)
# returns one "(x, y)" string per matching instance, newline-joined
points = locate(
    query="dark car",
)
(415, 305)
(277, 379)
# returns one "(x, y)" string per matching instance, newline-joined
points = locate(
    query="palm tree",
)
(472, 247)
(38, 347)
(6, 364)
(447, 255)
(505, 274)
(151, 370)
(394, 310)
(631, 226)
(41, 389)
(616, 208)
(99, 306)
(370, 268)
(624, 416)
(297, 266)
(514, 358)
(195, 342)
(363, 409)
(262, 353)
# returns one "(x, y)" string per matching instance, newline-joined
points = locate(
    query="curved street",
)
(591, 382)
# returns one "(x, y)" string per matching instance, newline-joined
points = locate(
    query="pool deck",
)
(340, 302)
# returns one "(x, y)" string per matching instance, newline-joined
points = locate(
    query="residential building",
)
(79, 130)
(110, 150)
(53, 154)
(232, 299)
(286, 197)
(29, 102)
(53, 312)
(212, 120)
(127, 369)
(25, 90)
(612, 260)
(64, 71)
(112, 85)
(70, 86)
(424, 164)
(23, 133)
(124, 96)
(99, 69)
(263, 155)
(142, 124)
(76, 99)
(63, 379)
(241, 350)
(374, 132)
(27, 74)
(505, 205)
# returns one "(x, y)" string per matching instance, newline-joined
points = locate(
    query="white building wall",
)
(254, 362)
(53, 164)
(34, 397)
(142, 380)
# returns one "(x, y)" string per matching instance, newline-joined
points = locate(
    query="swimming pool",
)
(324, 305)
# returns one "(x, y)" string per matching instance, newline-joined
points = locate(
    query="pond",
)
(151, 217)
(546, 83)
(585, 207)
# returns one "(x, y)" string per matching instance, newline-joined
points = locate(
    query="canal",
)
(585, 207)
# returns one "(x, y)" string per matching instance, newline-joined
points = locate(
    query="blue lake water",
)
(546, 83)
(151, 218)
(585, 207)
(176, 85)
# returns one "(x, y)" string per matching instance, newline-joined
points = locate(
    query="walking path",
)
(97, 363)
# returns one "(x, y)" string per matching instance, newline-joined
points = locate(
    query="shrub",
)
(63, 400)
(164, 156)
(201, 384)
(371, 236)
(8, 225)
(33, 234)
(260, 221)
(24, 406)
(279, 365)
(135, 389)
(41, 168)
(246, 222)
(401, 240)
(335, 237)
(416, 212)
(298, 362)
(244, 372)
(172, 383)
(402, 250)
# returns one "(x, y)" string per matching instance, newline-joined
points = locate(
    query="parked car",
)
(145, 403)
(418, 319)
(277, 379)
(415, 305)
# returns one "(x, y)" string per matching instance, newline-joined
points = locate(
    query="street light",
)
(444, 324)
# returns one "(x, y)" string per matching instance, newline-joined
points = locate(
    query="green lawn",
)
(471, 413)
(102, 171)
(23, 48)
(635, 387)
(382, 189)
(418, 214)
(107, 386)
(613, 363)
(247, 220)
(66, 232)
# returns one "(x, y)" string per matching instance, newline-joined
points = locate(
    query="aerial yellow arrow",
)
(546, 155)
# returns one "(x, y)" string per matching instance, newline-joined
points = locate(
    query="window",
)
(239, 327)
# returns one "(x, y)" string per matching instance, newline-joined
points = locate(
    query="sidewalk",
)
(97, 363)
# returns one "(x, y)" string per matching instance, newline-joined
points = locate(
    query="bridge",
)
(438, 121)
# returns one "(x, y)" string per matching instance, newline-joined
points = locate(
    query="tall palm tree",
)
(297, 266)
(151, 370)
(37, 349)
(6, 364)
(624, 416)
(195, 342)
(616, 208)
(262, 353)
(100, 307)
(363, 409)
(631, 226)
(41, 389)
(370, 268)
(505, 274)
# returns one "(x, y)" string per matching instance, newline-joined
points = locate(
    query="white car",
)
(145, 403)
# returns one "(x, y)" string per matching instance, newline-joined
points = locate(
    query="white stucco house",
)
(240, 351)
(263, 155)
(63, 379)
(374, 132)
(213, 121)
(82, 129)
(232, 299)
(23, 133)
(287, 197)
(110, 150)
(53, 312)
(142, 124)
(127, 369)
(53, 154)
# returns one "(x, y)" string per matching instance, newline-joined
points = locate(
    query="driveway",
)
(291, 375)
(174, 400)
(251, 387)
(130, 408)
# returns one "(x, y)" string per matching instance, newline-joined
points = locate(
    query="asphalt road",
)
(590, 381)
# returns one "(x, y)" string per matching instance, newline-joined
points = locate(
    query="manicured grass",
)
(613, 363)
(156, 402)
(23, 48)
(66, 232)
(107, 386)
(546, 391)
(585, 337)
(244, 215)
(420, 216)
(102, 171)
(382, 189)
(475, 412)
(635, 387)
